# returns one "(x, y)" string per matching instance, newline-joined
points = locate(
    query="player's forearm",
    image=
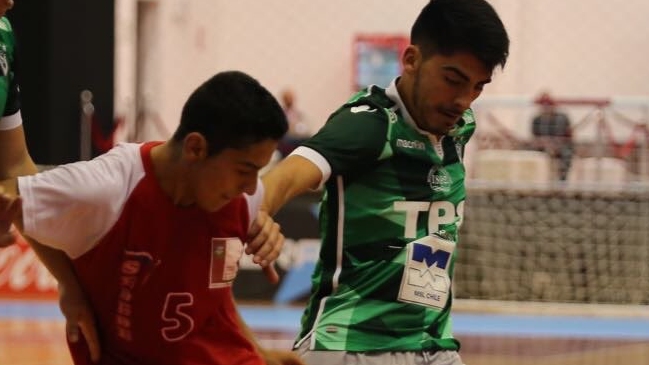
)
(277, 192)
(23, 167)
(9, 190)
(14, 156)
(56, 262)
(290, 178)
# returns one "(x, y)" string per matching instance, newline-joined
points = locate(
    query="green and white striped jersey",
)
(383, 280)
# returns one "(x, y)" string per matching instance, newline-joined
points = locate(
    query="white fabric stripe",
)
(11, 121)
(301, 341)
(339, 234)
(339, 259)
(317, 159)
(312, 334)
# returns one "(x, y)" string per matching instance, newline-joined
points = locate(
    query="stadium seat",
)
(598, 170)
(517, 166)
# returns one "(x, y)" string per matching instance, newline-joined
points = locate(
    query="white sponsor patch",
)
(425, 279)
(224, 265)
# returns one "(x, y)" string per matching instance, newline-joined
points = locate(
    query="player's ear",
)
(194, 147)
(411, 58)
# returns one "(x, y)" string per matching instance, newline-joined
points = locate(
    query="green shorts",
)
(376, 357)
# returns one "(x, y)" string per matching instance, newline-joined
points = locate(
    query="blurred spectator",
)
(552, 134)
(298, 128)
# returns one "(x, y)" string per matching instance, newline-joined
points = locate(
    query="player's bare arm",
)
(72, 300)
(10, 210)
(14, 157)
(291, 177)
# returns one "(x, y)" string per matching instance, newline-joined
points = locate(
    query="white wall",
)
(571, 47)
(577, 47)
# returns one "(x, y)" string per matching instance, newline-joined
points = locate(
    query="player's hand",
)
(10, 209)
(79, 317)
(265, 242)
(277, 357)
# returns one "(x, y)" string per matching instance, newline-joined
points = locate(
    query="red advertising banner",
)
(23, 276)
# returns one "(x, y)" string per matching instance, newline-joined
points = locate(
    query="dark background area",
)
(63, 47)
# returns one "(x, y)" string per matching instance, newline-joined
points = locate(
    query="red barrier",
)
(23, 276)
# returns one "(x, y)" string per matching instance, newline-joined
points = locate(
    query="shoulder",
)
(123, 159)
(367, 102)
(355, 133)
(98, 179)
(368, 111)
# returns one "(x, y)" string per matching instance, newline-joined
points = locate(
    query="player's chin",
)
(440, 129)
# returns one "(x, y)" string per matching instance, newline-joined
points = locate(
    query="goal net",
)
(542, 224)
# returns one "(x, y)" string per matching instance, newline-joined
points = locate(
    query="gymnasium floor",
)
(32, 333)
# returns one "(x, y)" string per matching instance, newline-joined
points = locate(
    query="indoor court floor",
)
(32, 333)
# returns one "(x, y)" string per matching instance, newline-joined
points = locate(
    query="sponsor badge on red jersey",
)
(224, 265)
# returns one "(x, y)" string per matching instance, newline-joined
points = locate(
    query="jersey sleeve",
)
(71, 207)
(12, 106)
(13, 97)
(352, 139)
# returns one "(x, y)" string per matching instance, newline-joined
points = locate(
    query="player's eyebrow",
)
(462, 75)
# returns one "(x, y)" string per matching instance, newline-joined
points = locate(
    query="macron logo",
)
(418, 145)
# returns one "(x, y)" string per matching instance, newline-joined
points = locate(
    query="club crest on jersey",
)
(439, 179)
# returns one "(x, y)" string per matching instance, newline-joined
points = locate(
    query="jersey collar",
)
(393, 93)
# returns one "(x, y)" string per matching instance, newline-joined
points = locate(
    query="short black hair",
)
(449, 26)
(232, 110)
